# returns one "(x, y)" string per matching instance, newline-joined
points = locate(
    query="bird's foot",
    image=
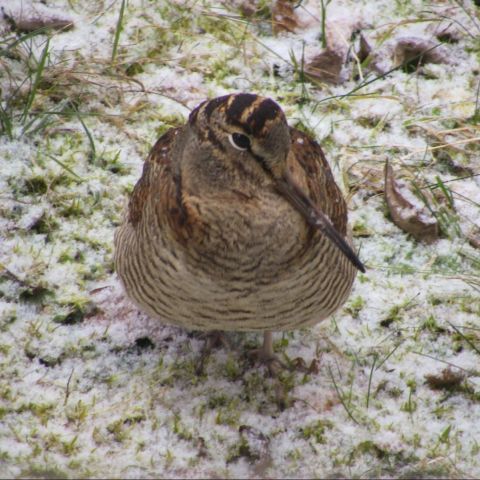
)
(300, 365)
(213, 339)
(266, 356)
(270, 360)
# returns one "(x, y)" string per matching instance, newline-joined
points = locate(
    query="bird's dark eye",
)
(239, 141)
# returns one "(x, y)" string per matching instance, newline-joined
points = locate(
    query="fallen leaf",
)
(412, 52)
(338, 33)
(366, 177)
(446, 31)
(364, 49)
(284, 17)
(447, 380)
(375, 60)
(28, 17)
(474, 237)
(448, 34)
(446, 160)
(406, 213)
(327, 65)
(248, 8)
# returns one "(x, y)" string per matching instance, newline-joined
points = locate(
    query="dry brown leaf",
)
(327, 65)
(448, 34)
(447, 380)
(377, 59)
(408, 216)
(446, 31)
(27, 17)
(364, 48)
(418, 51)
(444, 158)
(338, 33)
(474, 237)
(366, 177)
(248, 8)
(284, 17)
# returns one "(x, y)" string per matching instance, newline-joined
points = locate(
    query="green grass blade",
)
(66, 167)
(91, 141)
(464, 337)
(118, 31)
(36, 82)
(17, 41)
(375, 358)
(6, 127)
(341, 396)
(324, 22)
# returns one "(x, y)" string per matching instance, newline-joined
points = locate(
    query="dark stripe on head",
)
(214, 140)
(212, 105)
(267, 110)
(207, 108)
(194, 114)
(239, 104)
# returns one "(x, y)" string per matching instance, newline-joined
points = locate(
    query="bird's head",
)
(245, 137)
(247, 128)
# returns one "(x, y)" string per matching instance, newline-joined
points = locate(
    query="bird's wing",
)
(309, 167)
(159, 188)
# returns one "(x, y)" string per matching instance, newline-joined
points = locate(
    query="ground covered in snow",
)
(90, 387)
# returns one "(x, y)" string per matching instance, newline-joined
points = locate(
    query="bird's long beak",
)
(316, 218)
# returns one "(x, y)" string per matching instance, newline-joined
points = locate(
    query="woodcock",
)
(236, 224)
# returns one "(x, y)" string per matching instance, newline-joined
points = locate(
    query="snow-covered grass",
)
(90, 387)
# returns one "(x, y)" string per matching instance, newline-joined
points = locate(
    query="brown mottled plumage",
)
(236, 224)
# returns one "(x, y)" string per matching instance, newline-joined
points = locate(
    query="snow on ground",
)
(90, 387)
